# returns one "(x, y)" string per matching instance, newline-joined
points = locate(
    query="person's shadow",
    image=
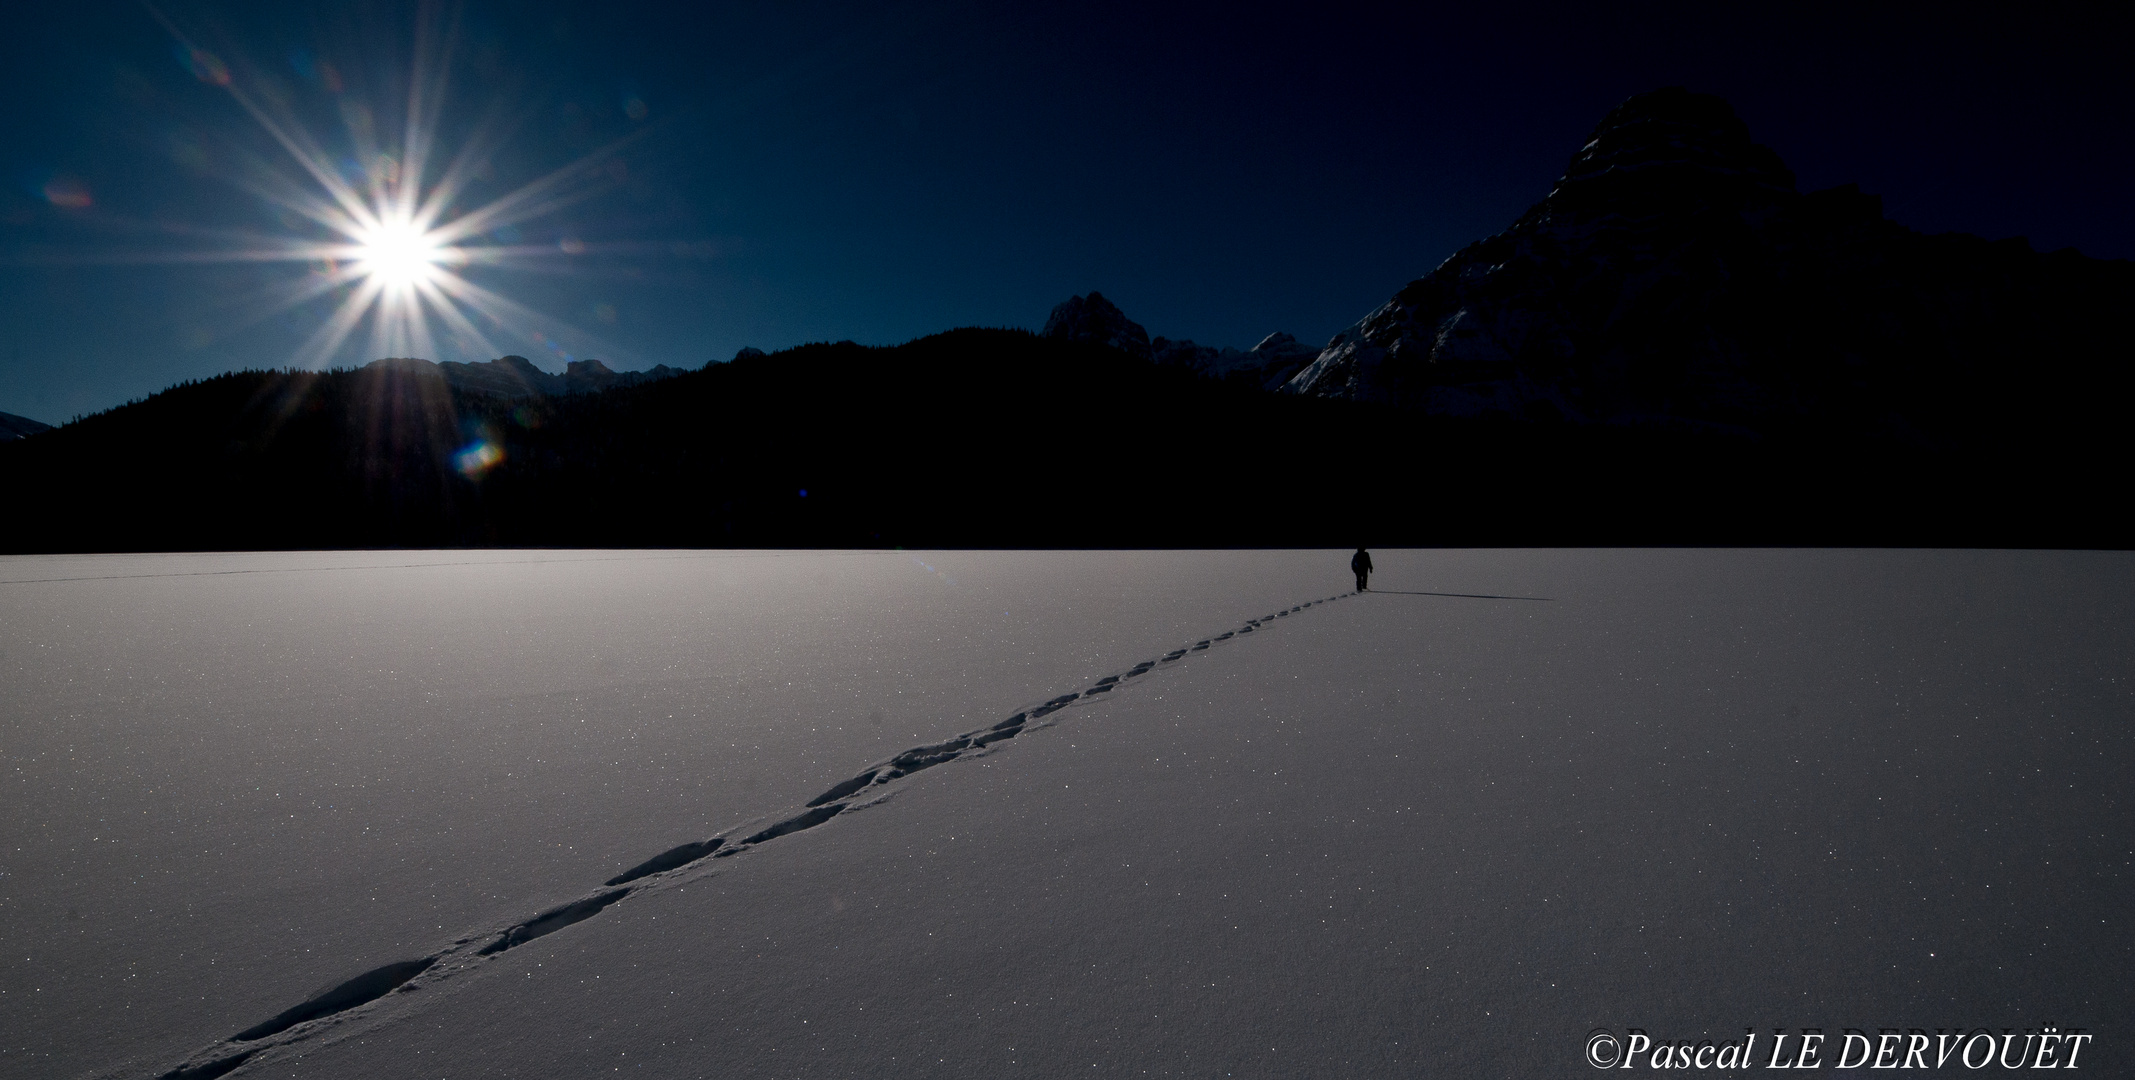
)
(1464, 595)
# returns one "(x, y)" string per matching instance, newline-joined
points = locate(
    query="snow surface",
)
(1393, 834)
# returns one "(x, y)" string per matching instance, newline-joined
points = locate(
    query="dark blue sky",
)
(806, 172)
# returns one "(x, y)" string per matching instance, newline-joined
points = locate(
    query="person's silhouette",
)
(1360, 563)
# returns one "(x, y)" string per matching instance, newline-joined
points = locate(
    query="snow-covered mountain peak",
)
(1674, 275)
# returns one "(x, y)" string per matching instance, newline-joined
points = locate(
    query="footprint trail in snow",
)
(343, 1003)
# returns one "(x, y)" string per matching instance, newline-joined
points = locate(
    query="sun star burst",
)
(399, 235)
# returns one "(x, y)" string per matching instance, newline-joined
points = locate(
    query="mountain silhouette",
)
(1097, 320)
(1674, 275)
(984, 438)
(516, 376)
(993, 437)
(1267, 365)
(1674, 347)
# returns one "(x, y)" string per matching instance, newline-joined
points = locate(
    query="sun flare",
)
(390, 238)
(400, 255)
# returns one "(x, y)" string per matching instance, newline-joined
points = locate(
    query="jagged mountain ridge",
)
(1675, 275)
(980, 438)
(1673, 295)
(516, 376)
(1096, 320)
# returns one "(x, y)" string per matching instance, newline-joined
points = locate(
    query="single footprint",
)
(838, 792)
(1053, 706)
(209, 1071)
(998, 734)
(926, 757)
(673, 857)
(363, 989)
(795, 824)
(552, 921)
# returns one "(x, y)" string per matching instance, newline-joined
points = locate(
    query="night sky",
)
(770, 175)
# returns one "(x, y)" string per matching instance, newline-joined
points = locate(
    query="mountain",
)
(1675, 347)
(1675, 276)
(1268, 365)
(517, 377)
(19, 427)
(982, 438)
(1000, 438)
(1098, 321)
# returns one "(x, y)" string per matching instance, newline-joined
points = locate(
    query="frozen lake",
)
(1452, 825)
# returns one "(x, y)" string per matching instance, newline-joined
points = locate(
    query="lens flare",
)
(68, 194)
(389, 234)
(478, 458)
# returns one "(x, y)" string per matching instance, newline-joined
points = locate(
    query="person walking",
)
(1360, 564)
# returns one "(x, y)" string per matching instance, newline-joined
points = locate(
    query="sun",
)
(399, 254)
(388, 234)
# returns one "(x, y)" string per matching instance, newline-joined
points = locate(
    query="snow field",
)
(1404, 832)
